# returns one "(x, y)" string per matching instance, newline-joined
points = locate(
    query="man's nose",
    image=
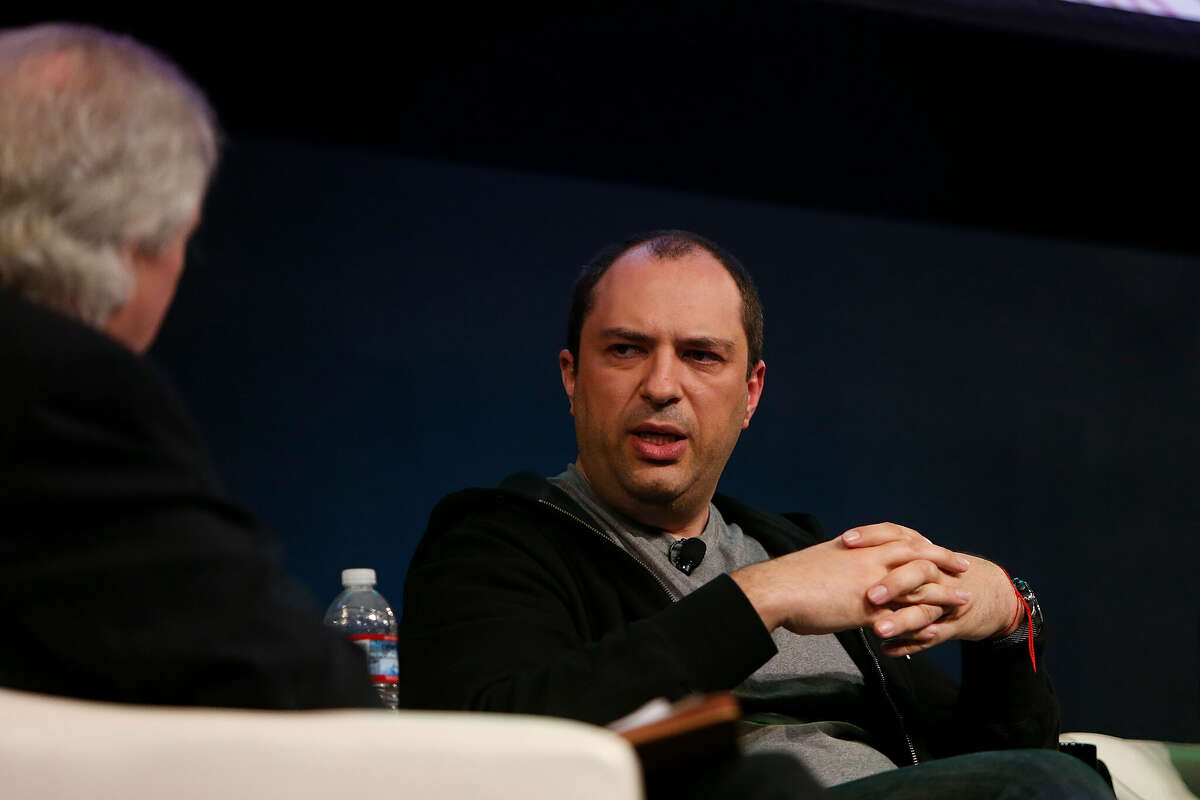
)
(661, 384)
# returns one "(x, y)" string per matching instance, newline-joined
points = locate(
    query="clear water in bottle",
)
(362, 615)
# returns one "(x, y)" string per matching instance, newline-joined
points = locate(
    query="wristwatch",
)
(1020, 635)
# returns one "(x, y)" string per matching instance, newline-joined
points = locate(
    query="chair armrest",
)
(1144, 769)
(56, 748)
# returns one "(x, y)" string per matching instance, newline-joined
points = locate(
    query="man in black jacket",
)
(627, 577)
(125, 573)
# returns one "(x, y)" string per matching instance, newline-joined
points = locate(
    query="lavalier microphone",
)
(686, 554)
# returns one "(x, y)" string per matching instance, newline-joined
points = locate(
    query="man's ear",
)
(566, 365)
(155, 272)
(146, 260)
(754, 387)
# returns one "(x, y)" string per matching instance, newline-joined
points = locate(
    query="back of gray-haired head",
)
(104, 145)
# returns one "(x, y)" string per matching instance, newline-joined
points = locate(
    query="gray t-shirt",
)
(804, 700)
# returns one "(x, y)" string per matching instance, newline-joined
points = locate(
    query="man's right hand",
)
(823, 589)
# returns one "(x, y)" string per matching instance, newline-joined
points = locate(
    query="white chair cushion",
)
(1141, 770)
(55, 748)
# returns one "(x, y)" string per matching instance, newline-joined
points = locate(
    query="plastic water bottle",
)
(362, 615)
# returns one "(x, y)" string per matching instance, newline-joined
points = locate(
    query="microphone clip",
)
(686, 554)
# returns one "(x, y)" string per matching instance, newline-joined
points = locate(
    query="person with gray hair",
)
(125, 572)
(105, 156)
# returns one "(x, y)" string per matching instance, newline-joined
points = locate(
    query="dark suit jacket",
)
(125, 573)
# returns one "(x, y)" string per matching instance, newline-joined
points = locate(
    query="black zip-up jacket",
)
(515, 601)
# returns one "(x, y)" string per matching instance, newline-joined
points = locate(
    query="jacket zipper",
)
(666, 589)
(912, 751)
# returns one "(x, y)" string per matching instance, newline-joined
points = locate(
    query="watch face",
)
(1035, 608)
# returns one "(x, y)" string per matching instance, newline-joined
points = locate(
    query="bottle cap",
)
(358, 577)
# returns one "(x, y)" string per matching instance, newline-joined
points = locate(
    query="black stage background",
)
(973, 225)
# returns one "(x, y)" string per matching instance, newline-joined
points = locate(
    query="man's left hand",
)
(991, 610)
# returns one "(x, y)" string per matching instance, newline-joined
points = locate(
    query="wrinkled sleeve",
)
(496, 620)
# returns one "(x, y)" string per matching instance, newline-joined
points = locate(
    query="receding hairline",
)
(667, 244)
(652, 257)
(675, 251)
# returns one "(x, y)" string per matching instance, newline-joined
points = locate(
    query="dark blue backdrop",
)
(360, 334)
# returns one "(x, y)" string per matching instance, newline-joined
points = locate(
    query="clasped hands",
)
(911, 592)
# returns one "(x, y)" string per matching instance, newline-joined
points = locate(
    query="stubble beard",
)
(658, 492)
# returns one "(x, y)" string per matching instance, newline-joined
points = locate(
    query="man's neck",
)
(674, 519)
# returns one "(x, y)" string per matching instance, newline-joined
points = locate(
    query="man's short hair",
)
(104, 144)
(664, 245)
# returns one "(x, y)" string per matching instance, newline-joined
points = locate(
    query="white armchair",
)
(1146, 770)
(54, 748)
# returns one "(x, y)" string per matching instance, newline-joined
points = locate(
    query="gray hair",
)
(104, 144)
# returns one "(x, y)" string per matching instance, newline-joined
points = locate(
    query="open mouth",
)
(657, 438)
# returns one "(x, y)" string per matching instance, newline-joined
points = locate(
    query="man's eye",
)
(703, 356)
(624, 350)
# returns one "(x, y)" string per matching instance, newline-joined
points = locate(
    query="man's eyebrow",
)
(627, 334)
(710, 343)
(693, 342)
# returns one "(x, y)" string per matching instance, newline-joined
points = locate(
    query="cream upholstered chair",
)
(54, 748)
(1147, 770)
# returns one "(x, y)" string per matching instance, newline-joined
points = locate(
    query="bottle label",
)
(381, 655)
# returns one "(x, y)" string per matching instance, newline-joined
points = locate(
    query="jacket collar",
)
(778, 534)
